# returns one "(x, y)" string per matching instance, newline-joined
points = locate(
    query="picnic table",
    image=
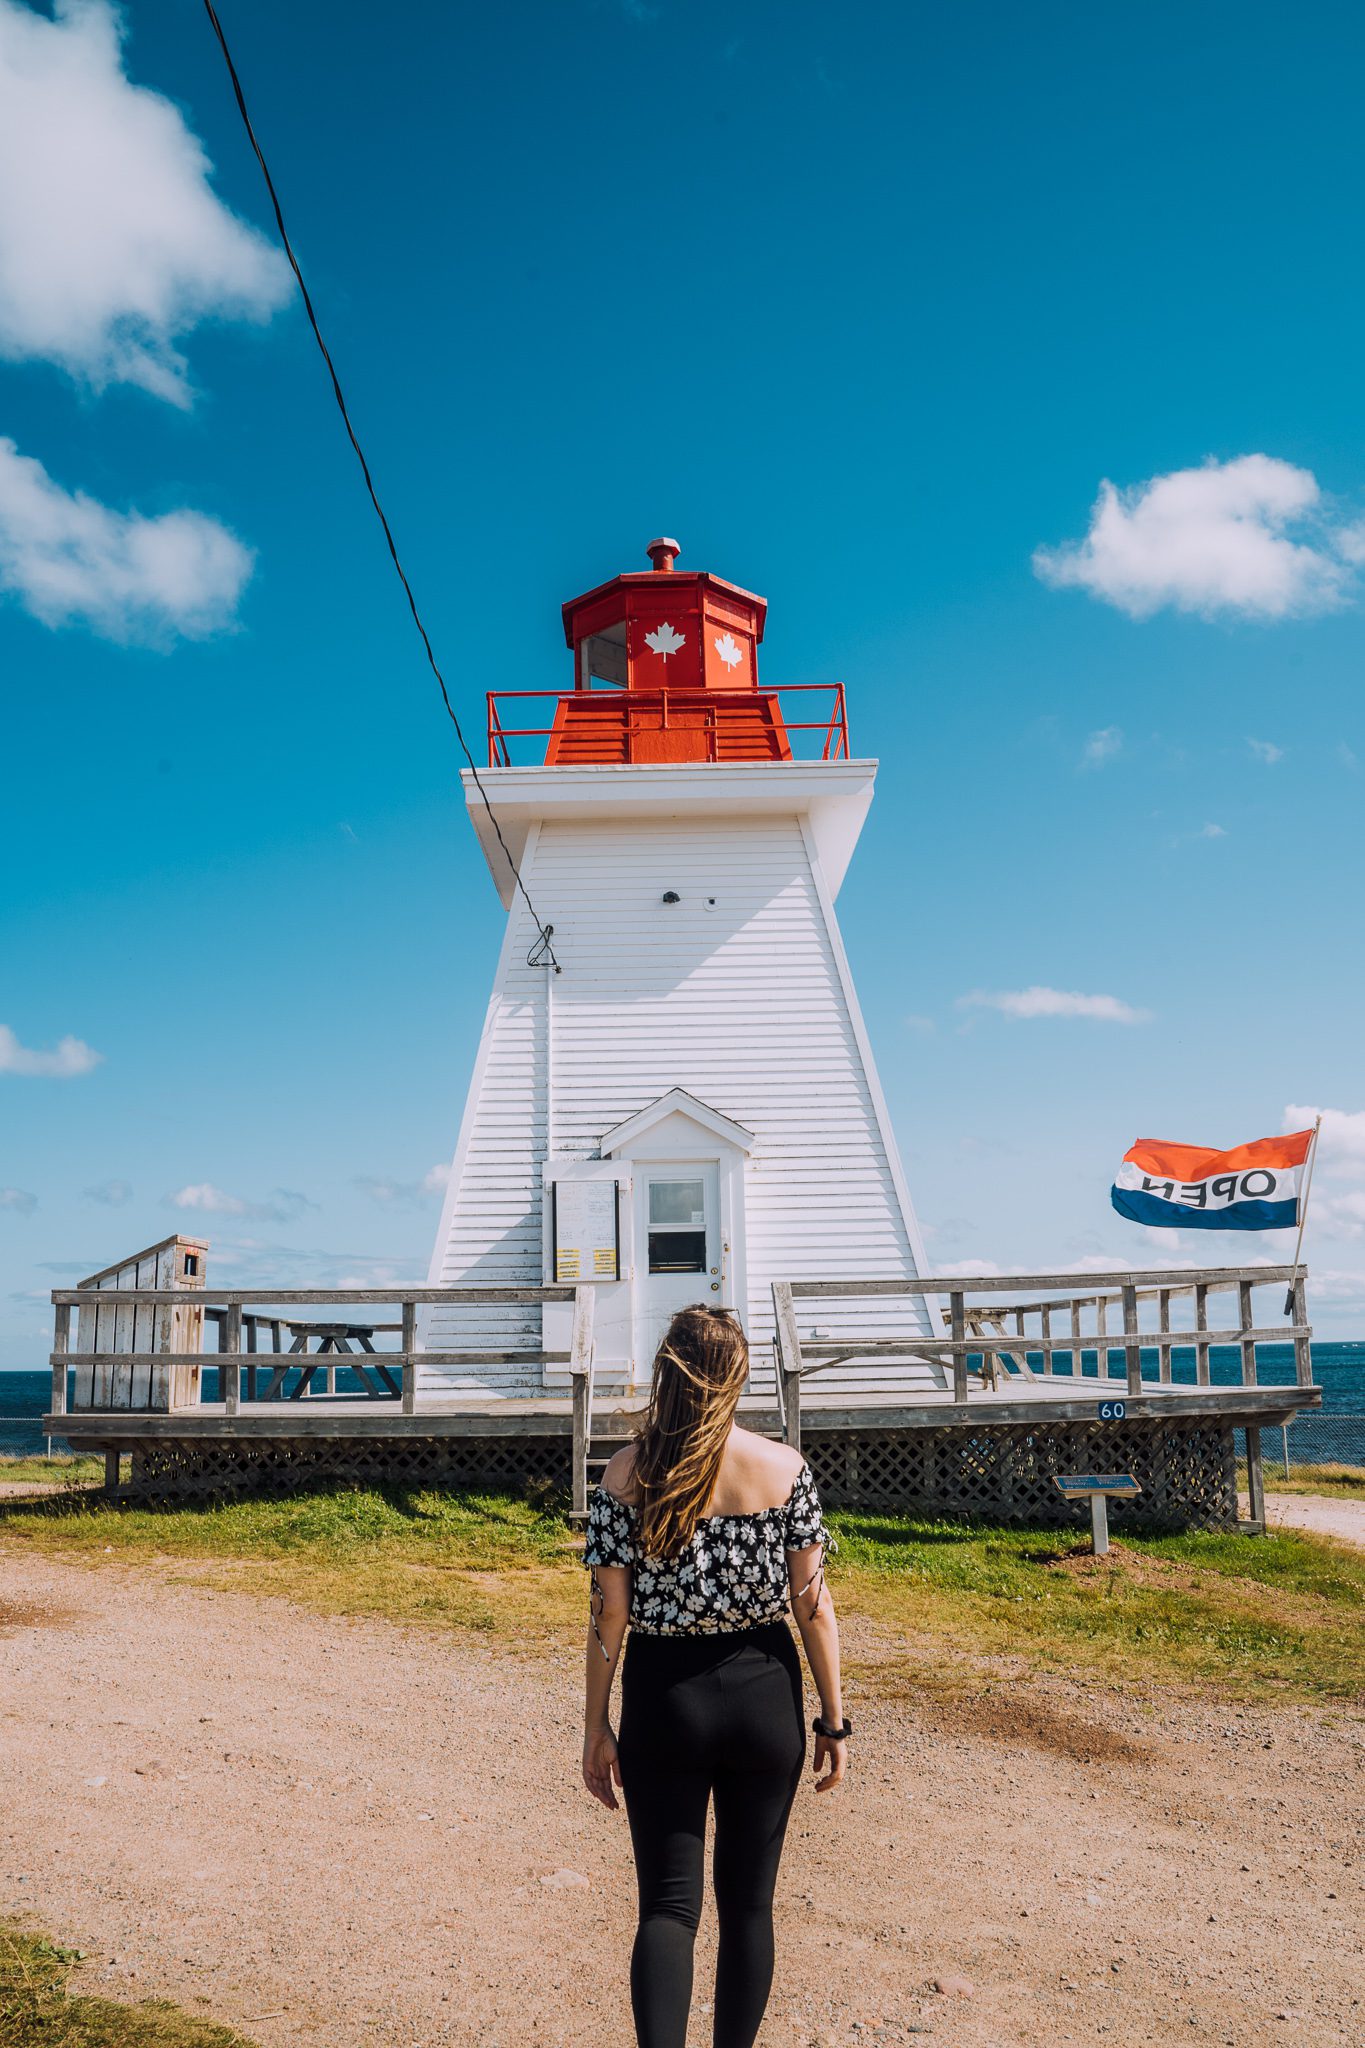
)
(333, 1340)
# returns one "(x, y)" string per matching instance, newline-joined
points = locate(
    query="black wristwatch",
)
(823, 1729)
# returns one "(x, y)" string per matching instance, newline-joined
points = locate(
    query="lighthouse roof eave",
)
(649, 579)
(833, 796)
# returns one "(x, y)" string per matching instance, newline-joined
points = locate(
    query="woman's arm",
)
(609, 1609)
(813, 1607)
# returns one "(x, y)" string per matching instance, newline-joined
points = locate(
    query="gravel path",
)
(341, 1834)
(1341, 1518)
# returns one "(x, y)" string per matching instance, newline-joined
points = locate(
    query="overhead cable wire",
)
(542, 952)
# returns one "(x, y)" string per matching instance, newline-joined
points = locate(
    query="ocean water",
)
(1338, 1368)
(26, 1396)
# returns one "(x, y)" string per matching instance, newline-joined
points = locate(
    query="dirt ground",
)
(342, 1834)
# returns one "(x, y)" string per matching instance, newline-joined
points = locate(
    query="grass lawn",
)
(1329, 1482)
(63, 1471)
(37, 2011)
(1280, 1615)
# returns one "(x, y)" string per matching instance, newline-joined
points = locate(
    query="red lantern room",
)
(665, 670)
(682, 645)
(666, 628)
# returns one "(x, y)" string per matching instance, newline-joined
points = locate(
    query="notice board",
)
(587, 1230)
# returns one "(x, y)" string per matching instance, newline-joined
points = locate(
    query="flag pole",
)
(1303, 1217)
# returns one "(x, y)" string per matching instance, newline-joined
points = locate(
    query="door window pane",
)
(677, 1204)
(677, 1251)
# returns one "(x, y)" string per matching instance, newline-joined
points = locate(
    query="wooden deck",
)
(1012, 1407)
(1057, 1400)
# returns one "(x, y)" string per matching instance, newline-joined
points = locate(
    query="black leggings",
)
(702, 1717)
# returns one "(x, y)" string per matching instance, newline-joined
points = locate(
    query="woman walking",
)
(702, 1536)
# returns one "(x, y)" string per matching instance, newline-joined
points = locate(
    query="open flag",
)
(1187, 1187)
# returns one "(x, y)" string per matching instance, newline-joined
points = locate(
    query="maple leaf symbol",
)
(665, 641)
(728, 651)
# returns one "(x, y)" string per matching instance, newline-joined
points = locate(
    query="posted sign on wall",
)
(587, 1230)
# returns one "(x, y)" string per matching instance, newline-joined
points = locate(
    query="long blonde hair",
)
(699, 1374)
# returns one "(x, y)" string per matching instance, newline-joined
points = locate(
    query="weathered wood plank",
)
(580, 1367)
(957, 1324)
(905, 1347)
(1164, 1328)
(1255, 1481)
(789, 1361)
(1132, 1350)
(1303, 1350)
(286, 1297)
(327, 1297)
(229, 1368)
(1238, 1406)
(1249, 1334)
(61, 1346)
(1022, 1283)
(394, 1359)
(408, 1346)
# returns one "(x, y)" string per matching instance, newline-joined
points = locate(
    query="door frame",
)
(679, 1131)
(643, 1171)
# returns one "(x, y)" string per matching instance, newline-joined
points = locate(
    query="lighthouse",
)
(674, 1099)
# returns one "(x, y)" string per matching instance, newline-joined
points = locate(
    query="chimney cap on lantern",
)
(607, 605)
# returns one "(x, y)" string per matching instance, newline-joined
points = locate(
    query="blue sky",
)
(864, 307)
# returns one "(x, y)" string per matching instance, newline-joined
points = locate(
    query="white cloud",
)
(283, 1206)
(18, 1199)
(1211, 540)
(111, 1194)
(1102, 746)
(1267, 751)
(251, 1262)
(914, 1021)
(112, 242)
(1054, 1002)
(1211, 832)
(204, 1195)
(1336, 1287)
(403, 1194)
(1338, 1215)
(1341, 1141)
(69, 1057)
(1347, 756)
(69, 558)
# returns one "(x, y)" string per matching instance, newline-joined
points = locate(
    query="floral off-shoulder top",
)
(731, 1576)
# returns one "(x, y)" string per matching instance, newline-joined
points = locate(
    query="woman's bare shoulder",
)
(619, 1474)
(760, 1462)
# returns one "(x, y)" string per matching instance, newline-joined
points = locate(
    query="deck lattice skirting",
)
(1186, 1469)
(235, 1469)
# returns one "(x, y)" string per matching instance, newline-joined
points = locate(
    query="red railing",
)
(832, 731)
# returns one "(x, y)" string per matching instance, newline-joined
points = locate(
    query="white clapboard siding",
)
(744, 1004)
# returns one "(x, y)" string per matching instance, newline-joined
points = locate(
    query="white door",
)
(678, 1259)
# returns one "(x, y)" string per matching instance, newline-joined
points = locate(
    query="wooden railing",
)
(108, 1368)
(976, 1329)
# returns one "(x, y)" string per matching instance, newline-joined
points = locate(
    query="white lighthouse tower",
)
(688, 1109)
